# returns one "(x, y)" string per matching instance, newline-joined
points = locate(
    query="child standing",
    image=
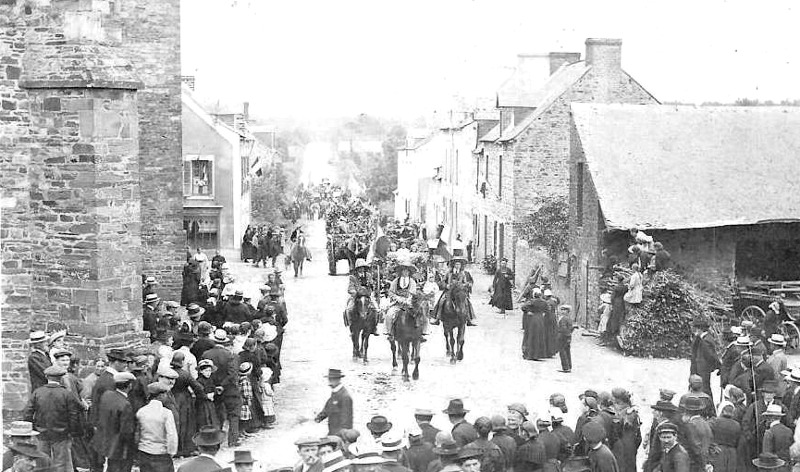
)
(565, 328)
(206, 414)
(246, 389)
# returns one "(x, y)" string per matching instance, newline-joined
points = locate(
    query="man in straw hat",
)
(393, 450)
(777, 437)
(338, 410)
(243, 461)
(730, 355)
(456, 278)
(704, 358)
(38, 359)
(401, 291)
(151, 314)
(208, 441)
(22, 432)
(229, 402)
(423, 418)
(307, 449)
(769, 461)
(335, 461)
(791, 397)
(463, 432)
(55, 413)
(777, 360)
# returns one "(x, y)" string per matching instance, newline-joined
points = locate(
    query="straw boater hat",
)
(768, 460)
(195, 311)
(37, 337)
(461, 259)
(150, 280)
(391, 442)
(334, 461)
(744, 341)
(367, 454)
(221, 336)
(777, 339)
(151, 297)
(361, 264)
(774, 410)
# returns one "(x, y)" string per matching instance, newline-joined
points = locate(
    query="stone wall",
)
(152, 42)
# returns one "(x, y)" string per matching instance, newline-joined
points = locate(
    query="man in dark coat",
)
(662, 410)
(704, 355)
(674, 457)
(502, 286)
(228, 399)
(531, 455)
(754, 423)
(463, 432)
(117, 362)
(492, 458)
(504, 441)
(565, 328)
(55, 414)
(114, 438)
(730, 355)
(419, 453)
(235, 310)
(38, 359)
(204, 341)
(777, 438)
(423, 418)
(208, 441)
(601, 459)
(698, 434)
(533, 340)
(338, 410)
(151, 315)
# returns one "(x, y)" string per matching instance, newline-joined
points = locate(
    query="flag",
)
(380, 246)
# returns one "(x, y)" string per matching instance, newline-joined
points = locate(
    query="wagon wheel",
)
(753, 313)
(791, 334)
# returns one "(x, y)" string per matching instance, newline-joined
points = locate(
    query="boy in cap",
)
(565, 329)
(55, 413)
(158, 436)
(673, 456)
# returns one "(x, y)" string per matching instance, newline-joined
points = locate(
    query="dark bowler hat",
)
(449, 447)
(379, 424)
(663, 405)
(769, 386)
(456, 407)
(242, 457)
(118, 355)
(693, 404)
(469, 453)
(208, 436)
(334, 374)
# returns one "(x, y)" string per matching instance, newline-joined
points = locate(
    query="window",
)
(494, 239)
(198, 176)
(579, 192)
(500, 176)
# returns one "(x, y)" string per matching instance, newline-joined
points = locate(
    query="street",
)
(492, 374)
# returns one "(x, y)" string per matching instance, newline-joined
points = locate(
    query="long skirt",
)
(725, 459)
(187, 424)
(205, 413)
(533, 346)
(551, 331)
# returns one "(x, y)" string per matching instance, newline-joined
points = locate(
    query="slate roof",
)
(682, 167)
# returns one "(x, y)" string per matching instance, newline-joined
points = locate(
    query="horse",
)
(299, 254)
(455, 311)
(363, 320)
(408, 336)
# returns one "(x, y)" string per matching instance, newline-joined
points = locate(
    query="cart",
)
(752, 302)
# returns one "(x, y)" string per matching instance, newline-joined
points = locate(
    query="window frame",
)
(189, 158)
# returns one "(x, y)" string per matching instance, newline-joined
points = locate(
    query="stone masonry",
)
(70, 119)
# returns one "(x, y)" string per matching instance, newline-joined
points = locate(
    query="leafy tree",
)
(269, 195)
(547, 227)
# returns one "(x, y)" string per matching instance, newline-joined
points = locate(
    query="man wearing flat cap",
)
(55, 413)
(674, 457)
(704, 358)
(663, 412)
(338, 410)
(114, 437)
(307, 449)
(158, 436)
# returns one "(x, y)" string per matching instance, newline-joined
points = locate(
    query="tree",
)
(269, 195)
(547, 226)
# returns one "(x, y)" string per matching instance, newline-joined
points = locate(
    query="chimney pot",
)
(557, 59)
(604, 53)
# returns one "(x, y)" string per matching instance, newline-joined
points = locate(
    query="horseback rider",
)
(457, 276)
(361, 285)
(401, 291)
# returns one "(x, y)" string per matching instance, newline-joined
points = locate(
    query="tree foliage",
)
(269, 195)
(547, 226)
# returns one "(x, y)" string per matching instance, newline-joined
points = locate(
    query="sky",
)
(329, 58)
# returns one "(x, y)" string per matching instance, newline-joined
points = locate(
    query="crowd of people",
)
(214, 364)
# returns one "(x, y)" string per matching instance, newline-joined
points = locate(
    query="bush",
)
(490, 264)
(661, 325)
(547, 227)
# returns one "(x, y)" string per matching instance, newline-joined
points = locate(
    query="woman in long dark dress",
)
(617, 308)
(190, 293)
(501, 287)
(187, 424)
(534, 344)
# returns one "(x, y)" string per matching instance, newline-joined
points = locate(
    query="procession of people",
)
(210, 373)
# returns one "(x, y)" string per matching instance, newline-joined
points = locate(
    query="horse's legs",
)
(446, 341)
(393, 345)
(461, 331)
(354, 336)
(404, 348)
(296, 266)
(365, 343)
(415, 374)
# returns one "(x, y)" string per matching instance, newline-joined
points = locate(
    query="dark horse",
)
(455, 310)
(408, 327)
(363, 321)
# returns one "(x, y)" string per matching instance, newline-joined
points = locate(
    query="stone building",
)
(90, 144)
(717, 186)
(217, 152)
(526, 158)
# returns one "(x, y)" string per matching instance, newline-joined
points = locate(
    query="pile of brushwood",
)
(661, 325)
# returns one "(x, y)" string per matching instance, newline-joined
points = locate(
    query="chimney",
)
(604, 53)
(246, 110)
(557, 59)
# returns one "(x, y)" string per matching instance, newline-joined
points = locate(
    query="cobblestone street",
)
(492, 375)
